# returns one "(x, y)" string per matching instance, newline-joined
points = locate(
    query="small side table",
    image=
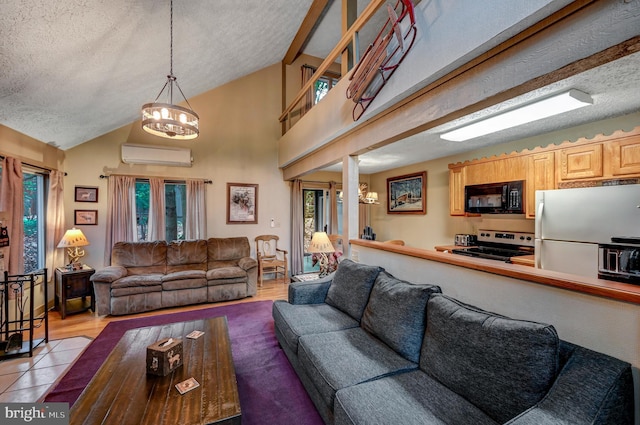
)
(71, 284)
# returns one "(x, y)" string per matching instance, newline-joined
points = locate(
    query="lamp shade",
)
(72, 238)
(320, 243)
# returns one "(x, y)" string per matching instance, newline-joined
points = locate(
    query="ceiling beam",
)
(309, 21)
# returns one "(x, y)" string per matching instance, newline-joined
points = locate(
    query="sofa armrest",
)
(246, 263)
(592, 388)
(310, 292)
(109, 274)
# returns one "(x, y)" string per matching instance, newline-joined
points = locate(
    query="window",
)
(34, 221)
(317, 218)
(33, 197)
(322, 87)
(175, 198)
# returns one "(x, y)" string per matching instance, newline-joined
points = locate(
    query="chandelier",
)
(166, 119)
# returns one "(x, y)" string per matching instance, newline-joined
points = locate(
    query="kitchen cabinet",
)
(581, 162)
(496, 170)
(456, 190)
(540, 176)
(624, 156)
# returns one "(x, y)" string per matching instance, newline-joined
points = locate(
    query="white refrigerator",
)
(570, 223)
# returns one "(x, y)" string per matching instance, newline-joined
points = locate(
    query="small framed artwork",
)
(85, 217)
(407, 194)
(86, 194)
(242, 203)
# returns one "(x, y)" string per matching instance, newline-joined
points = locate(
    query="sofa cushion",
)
(179, 284)
(351, 286)
(187, 255)
(138, 280)
(412, 398)
(140, 257)
(501, 365)
(232, 272)
(339, 359)
(226, 251)
(293, 321)
(396, 313)
(184, 274)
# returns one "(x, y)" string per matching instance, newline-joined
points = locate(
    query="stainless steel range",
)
(499, 245)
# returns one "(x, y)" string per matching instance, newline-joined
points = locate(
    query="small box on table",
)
(164, 356)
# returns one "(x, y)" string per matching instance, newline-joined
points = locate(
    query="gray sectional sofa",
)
(373, 349)
(147, 276)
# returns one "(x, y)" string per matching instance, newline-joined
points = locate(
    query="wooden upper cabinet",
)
(497, 170)
(624, 156)
(581, 162)
(540, 176)
(456, 190)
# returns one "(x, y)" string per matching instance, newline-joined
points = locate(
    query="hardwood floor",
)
(87, 324)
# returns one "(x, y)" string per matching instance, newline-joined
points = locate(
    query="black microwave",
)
(495, 198)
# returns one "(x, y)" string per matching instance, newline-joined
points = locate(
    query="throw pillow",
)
(351, 286)
(396, 313)
(502, 365)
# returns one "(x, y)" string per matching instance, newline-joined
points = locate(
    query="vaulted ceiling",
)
(76, 69)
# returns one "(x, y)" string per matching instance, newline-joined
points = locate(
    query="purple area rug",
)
(270, 391)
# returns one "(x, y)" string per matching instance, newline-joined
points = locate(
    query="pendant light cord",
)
(171, 40)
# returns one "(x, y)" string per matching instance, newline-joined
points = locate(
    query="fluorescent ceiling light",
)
(554, 105)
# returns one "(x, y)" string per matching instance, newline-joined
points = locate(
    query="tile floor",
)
(26, 379)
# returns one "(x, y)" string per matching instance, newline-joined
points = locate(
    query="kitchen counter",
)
(600, 287)
(524, 260)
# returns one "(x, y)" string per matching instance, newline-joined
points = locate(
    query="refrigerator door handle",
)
(538, 253)
(539, 219)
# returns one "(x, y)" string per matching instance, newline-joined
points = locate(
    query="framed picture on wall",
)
(242, 203)
(86, 194)
(85, 217)
(407, 194)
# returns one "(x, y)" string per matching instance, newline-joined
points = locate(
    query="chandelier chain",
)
(171, 39)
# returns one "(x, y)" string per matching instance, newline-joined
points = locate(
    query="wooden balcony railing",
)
(347, 39)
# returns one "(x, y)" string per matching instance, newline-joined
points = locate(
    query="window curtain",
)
(297, 228)
(333, 216)
(157, 230)
(196, 214)
(121, 213)
(307, 73)
(55, 229)
(12, 206)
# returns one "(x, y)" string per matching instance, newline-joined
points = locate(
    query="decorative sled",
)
(383, 56)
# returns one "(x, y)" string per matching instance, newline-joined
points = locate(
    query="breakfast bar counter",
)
(600, 287)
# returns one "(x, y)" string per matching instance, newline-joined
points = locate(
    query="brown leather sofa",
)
(147, 276)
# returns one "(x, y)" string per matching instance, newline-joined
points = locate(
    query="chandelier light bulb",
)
(165, 113)
(156, 115)
(183, 118)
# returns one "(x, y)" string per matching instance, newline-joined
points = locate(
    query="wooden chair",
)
(271, 259)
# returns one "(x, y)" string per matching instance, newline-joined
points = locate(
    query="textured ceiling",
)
(614, 88)
(72, 70)
(76, 69)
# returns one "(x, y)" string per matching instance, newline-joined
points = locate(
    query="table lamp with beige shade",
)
(320, 244)
(73, 239)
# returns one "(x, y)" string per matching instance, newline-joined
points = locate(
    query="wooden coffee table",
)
(121, 392)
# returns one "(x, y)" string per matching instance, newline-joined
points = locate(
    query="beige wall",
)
(239, 131)
(29, 150)
(437, 227)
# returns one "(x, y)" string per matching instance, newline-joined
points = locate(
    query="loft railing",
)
(347, 38)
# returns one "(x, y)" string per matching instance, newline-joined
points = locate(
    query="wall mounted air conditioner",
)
(156, 155)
